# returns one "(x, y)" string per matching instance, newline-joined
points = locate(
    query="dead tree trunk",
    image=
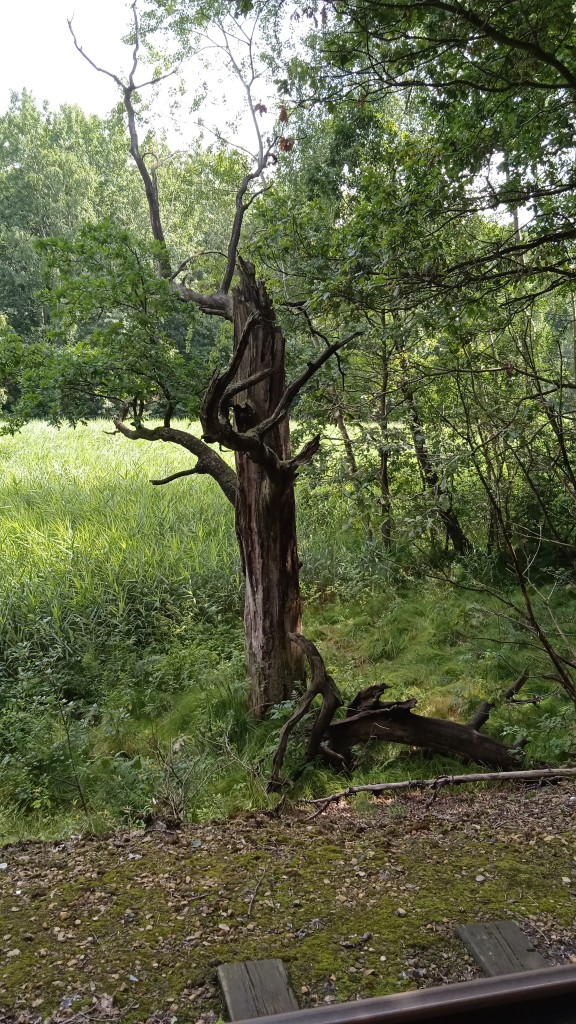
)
(245, 409)
(266, 509)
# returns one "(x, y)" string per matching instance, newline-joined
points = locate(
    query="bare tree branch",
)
(177, 476)
(209, 461)
(294, 389)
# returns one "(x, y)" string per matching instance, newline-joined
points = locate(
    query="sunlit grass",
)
(121, 635)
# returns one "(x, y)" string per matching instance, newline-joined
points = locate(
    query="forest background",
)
(407, 197)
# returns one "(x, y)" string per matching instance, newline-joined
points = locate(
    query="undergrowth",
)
(122, 691)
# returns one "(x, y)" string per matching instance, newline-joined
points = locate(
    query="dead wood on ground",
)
(369, 718)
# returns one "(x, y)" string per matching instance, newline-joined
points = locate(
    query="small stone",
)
(305, 990)
(480, 878)
(566, 880)
(13, 952)
(3, 867)
(400, 912)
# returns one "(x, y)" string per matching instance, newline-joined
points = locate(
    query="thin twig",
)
(254, 894)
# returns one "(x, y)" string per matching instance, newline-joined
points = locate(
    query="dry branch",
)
(482, 713)
(535, 775)
(320, 683)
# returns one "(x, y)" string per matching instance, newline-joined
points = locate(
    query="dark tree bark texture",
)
(266, 509)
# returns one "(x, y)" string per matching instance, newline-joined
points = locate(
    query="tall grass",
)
(122, 690)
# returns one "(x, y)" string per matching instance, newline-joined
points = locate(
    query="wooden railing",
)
(546, 996)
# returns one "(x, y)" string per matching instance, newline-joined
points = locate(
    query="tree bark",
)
(431, 479)
(396, 724)
(346, 439)
(266, 510)
(385, 496)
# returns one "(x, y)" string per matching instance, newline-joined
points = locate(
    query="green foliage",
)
(452, 417)
(58, 170)
(121, 674)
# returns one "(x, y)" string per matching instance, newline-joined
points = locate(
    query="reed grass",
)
(121, 665)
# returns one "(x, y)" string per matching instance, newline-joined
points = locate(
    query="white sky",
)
(37, 51)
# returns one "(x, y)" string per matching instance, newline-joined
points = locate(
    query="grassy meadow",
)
(122, 692)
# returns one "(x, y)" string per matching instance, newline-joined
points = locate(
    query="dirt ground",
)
(361, 901)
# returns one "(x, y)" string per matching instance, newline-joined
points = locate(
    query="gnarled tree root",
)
(320, 683)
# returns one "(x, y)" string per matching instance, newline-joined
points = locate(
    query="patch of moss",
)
(352, 912)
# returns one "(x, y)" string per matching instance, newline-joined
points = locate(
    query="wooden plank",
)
(532, 997)
(500, 947)
(256, 988)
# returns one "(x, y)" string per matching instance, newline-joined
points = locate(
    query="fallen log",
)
(369, 718)
(530, 775)
(397, 724)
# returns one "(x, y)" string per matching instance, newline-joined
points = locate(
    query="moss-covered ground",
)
(358, 902)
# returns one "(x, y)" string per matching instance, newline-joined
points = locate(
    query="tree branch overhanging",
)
(209, 462)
